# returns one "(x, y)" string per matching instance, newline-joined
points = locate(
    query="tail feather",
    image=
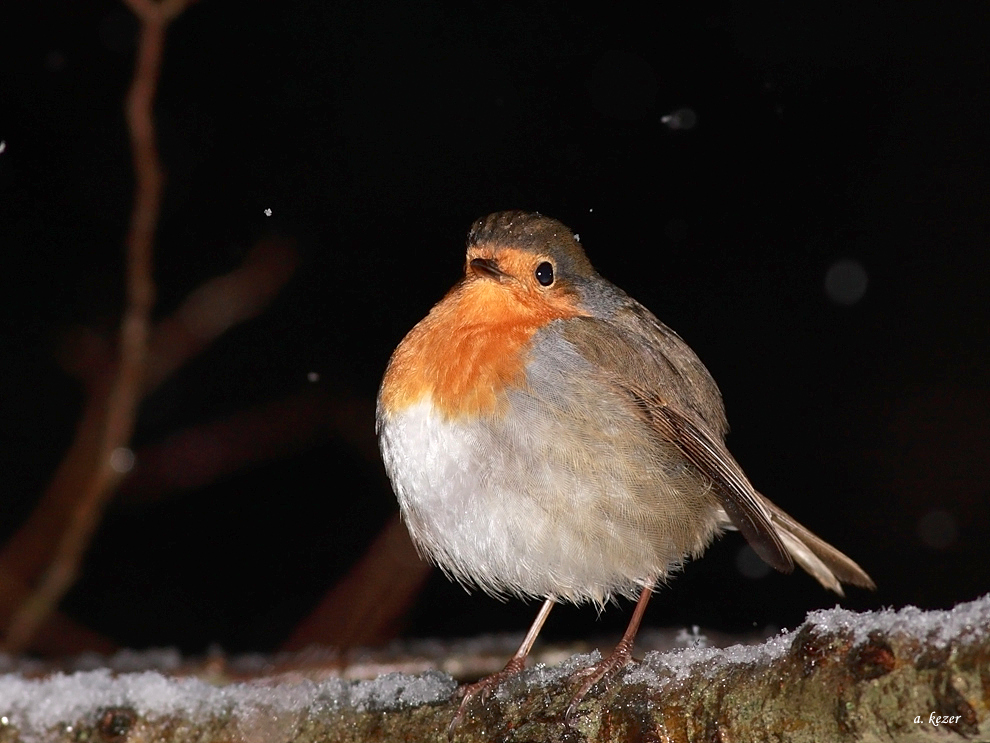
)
(818, 557)
(821, 560)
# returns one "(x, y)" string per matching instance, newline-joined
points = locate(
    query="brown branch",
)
(843, 677)
(366, 607)
(115, 416)
(206, 313)
(219, 304)
(198, 456)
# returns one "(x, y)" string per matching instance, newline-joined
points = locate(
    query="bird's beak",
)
(487, 268)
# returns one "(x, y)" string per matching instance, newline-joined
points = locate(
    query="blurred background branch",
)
(90, 473)
(42, 560)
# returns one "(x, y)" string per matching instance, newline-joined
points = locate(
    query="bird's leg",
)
(607, 668)
(514, 666)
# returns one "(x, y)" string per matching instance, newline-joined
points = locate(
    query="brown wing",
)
(670, 387)
(737, 496)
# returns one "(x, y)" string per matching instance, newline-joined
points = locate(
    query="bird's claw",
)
(482, 688)
(605, 670)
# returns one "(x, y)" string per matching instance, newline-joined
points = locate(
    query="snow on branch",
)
(905, 675)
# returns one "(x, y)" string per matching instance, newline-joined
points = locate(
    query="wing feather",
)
(658, 373)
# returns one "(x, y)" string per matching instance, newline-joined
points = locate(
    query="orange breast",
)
(470, 348)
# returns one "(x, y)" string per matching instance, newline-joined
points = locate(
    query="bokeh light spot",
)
(845, 282)
(682, 118)
(938, 529)
(122, 459)
(750, 565)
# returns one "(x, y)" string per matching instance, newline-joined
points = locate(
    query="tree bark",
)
(886, 676)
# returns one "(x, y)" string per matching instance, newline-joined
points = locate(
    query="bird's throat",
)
(469, 350)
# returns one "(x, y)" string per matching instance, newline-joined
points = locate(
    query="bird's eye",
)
(544, 273)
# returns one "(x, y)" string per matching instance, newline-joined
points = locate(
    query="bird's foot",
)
(605, 670)
(484, 688)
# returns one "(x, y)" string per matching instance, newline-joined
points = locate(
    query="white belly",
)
(517, 511)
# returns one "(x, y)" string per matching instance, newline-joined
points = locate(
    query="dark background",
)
(377, 132)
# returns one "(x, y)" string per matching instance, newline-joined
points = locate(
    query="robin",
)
(547, 436)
